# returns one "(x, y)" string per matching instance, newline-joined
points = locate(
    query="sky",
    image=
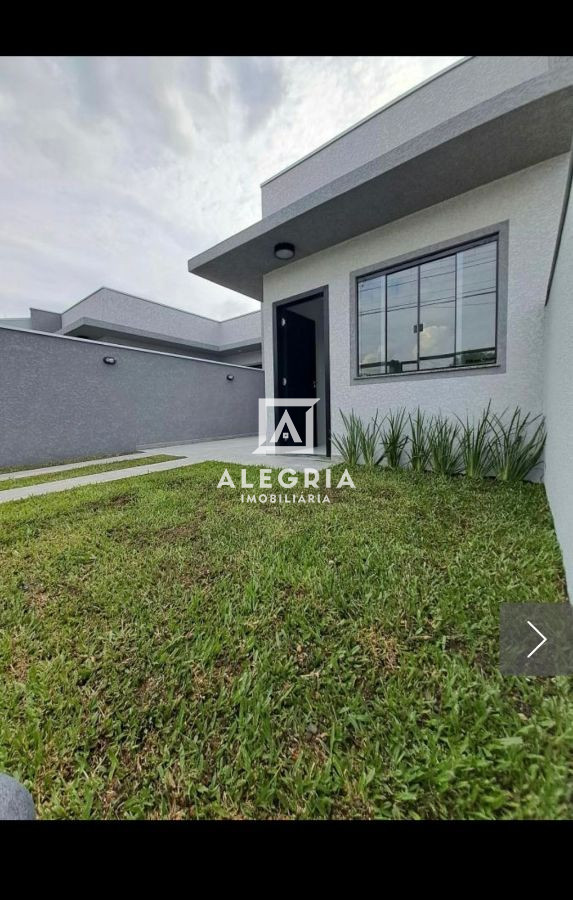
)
(116, 170)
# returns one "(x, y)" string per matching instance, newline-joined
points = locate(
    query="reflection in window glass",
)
(371, 326)
(433, 315)
(437, 313)
(402, 310)
(476, 294)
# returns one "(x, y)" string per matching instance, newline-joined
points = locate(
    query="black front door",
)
(296, 369)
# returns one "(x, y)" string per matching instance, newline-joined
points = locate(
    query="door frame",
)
(321, 292)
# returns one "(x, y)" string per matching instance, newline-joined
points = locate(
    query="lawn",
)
(10, 483)
(166, 651)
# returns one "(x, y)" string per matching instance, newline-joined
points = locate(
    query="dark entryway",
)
(301, 365)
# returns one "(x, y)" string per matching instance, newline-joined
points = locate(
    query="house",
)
(122, 319)
(408, 261)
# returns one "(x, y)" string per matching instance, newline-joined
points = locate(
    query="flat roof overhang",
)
(95, 329)
(516, 129)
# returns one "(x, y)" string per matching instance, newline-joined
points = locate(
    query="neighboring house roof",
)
(480, 120)
(107, 314)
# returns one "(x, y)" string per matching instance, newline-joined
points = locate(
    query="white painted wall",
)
(531, 201)
(558, 395)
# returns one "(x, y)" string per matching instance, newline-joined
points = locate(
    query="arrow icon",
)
(541, 643)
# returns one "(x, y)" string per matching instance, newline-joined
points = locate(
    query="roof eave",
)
(516, 129)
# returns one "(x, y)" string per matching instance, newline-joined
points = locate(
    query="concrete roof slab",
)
(516, 129)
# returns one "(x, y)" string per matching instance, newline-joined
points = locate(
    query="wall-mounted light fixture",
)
(109, 360)
(230, 377)
(284, 251)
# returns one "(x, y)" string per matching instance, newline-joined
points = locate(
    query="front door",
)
(296, 368)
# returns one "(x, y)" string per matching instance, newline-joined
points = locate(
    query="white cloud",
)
(116, 170)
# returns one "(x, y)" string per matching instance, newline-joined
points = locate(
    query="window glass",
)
(371, 326)
(402, 315)
(436, 314)
(476, 304)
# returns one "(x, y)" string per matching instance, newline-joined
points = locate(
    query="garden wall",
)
(59, 400)
(558, 400)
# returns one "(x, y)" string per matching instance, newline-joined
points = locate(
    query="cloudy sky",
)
(114, 171)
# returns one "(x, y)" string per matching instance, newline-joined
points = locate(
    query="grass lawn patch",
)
(84, 470)
(4, 470)
(166, 651)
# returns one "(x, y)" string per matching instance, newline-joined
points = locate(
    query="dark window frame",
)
(416, 261)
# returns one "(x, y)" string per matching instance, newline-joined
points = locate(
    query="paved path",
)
(240, 450)
(231, 450)
(28, 473)
(52, 487)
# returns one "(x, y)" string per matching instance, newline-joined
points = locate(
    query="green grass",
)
(4, 470)
(83, 470)
(166, 651)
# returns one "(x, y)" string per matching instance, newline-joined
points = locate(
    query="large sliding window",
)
(439, 312)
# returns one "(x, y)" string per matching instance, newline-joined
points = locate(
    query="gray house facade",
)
(425, 244)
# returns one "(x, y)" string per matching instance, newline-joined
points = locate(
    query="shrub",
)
(480, 447)
(419, 446)
(348, 444)
(476, 445)
(369, 436)
(514, 453)
(394, 439)
(444, 446)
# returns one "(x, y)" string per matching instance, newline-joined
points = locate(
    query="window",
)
(439, 312)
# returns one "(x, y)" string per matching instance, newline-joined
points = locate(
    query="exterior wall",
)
(16, 323)
(128, 340)
(455, 90)
(145, 319)
(45, 320)
(247, 357)
(116, 308)
(239, 330)
(558, 395)
(243, 358)
(58, 399)
(531, 202)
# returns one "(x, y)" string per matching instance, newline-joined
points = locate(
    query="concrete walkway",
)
(28, 473)
(231, 450)
(240, 450)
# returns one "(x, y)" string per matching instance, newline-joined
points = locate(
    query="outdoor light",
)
(109, 360)
(284, 251)
(230, 377)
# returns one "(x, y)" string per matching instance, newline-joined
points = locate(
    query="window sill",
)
(428, 373)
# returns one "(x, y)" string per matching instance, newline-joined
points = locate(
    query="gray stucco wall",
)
(457, 89)
(558, 395)
(530, 201)
(148, 319)
(59, 400)
(240, 330)
(45, 320)
(117, 308)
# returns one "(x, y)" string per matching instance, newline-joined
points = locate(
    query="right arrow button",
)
(541, 642)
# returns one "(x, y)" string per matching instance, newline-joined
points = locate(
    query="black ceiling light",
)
(284, 251)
